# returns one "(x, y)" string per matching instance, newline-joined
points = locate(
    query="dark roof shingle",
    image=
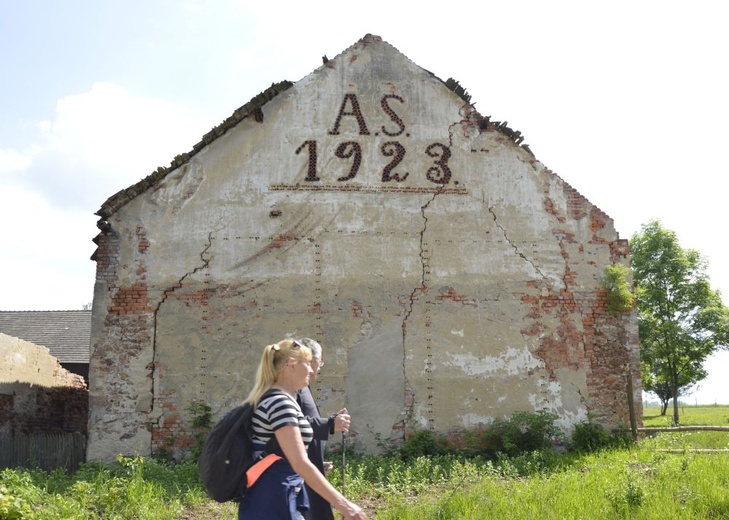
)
(66, 334)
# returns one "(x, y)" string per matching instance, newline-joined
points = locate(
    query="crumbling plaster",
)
(24, 363)
(439, 304)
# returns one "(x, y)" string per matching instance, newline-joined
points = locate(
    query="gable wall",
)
(458, 286)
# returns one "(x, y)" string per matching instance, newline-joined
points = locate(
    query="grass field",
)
(715, 415)
(642, 481)
(636, 484)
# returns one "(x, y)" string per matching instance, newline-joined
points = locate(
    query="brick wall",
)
(37, 410)
(37, 395)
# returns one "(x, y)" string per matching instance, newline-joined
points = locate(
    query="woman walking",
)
(279, 493)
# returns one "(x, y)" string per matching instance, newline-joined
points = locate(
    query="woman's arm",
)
(289, 438)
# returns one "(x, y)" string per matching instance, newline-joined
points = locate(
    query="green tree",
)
(663, 390)
(681, 320)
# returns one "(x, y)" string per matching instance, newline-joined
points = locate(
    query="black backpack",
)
(227, 454)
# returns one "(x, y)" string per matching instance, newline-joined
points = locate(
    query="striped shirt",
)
(276, 411)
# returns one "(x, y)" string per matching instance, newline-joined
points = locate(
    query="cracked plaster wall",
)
(439, 304)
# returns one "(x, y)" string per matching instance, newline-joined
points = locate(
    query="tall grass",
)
(134, 488)
(638, 481)
(634, 483)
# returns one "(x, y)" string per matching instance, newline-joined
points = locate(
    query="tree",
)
(663, 390)
(681, 320)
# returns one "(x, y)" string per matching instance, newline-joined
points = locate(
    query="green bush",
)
(523, 432)
(202, 422)
(589, 436)
(424, 443)
(615, 284)
(12, 507)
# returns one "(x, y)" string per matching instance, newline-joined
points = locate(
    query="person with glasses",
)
(319, 508)
(279, 492)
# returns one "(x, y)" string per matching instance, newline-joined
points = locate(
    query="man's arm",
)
(322, 426)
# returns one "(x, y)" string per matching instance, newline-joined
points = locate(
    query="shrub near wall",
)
(523, 432)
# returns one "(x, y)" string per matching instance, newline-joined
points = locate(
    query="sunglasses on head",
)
(294, 345)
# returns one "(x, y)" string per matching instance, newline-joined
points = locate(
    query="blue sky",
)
(626, 101)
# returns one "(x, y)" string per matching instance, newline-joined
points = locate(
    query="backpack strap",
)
(272, 444)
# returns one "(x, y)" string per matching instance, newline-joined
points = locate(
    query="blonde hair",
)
(272, 362)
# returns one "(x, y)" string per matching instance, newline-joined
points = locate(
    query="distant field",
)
(713, 415)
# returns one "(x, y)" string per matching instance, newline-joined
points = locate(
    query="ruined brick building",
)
(38, 395)
(450, 276)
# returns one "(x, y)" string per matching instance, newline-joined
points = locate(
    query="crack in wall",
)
(165, 294)
(423, 269)
(514, 246)
(450, 133)
(565, 255)
(422, 288)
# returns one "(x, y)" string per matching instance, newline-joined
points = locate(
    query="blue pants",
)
(279, 494)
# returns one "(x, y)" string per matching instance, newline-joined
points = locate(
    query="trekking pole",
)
(344, 454)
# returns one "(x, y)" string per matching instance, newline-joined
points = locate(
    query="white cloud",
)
(12, 161)
(45, 254)
(97, 143)
(117, 133)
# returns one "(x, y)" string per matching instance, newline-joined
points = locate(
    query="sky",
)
(624, 100)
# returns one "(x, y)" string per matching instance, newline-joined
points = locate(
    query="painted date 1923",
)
(438, 172)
